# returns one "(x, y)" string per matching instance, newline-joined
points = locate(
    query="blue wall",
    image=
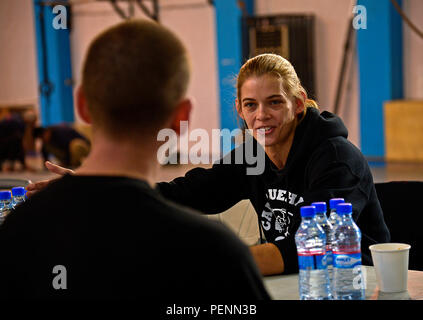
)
(380, 54)
(229, 55)
(54, 67)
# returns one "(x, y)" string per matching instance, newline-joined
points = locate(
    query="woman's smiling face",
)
(267, 109)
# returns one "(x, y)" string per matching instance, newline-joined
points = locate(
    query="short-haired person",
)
(307, 159)
(104, 232)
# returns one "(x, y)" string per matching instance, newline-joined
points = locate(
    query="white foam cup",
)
(391, 265)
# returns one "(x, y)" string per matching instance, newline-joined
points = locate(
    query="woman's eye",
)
(249, 104)
(274, 102)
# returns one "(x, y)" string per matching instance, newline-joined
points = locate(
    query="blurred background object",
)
(64, 143)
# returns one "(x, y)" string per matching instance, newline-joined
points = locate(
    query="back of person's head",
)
(279, 67)
(133, 76)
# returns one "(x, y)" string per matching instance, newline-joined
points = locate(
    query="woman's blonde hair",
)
(280, 67)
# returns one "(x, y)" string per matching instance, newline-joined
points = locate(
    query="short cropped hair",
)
(133, 76)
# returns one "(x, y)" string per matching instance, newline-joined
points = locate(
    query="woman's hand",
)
(34, 187)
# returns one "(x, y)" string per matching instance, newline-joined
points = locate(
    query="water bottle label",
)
(312, 262)
(346, 260)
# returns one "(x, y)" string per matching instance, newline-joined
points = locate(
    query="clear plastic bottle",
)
(18, 195)
(333, 216)
(348, 283)
(310, 240)
(5, 204)
(322, 220)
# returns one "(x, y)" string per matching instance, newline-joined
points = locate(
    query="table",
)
(285, 287)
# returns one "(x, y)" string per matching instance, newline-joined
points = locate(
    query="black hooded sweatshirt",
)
(322, 164)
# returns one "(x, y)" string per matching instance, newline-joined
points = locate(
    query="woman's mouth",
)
(265, 130)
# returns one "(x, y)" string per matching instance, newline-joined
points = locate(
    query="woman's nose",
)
(262, 112)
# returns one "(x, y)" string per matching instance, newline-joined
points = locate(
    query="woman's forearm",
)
(268, 258)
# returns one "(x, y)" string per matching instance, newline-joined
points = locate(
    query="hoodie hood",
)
(317, 127)
(314, 129)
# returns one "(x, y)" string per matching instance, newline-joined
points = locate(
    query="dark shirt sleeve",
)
(348, 176)
(209, 191)
(288, 251)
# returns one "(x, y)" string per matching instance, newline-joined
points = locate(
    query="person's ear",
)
(239, 109)
(182, 113)
(81, 106)
(300, 103)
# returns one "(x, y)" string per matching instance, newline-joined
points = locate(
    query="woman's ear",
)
(300, 103)
(81, 106)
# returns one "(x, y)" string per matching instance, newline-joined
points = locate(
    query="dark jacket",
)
(322, 164)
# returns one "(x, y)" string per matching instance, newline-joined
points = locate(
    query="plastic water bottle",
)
(322, 220)
(348, 282)
(333, 216)
(311, 247)
(5, 204)
(18, 195)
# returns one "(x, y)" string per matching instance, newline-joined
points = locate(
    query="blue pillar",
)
(54, 66)
(229, 55)
(380, 71)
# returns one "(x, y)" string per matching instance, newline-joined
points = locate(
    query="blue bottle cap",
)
(5, 195)
(18, 191)
(308, 211)
(343, 208)
(320, 207)
(335, 201)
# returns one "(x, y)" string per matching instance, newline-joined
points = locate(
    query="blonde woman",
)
(307, 158)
